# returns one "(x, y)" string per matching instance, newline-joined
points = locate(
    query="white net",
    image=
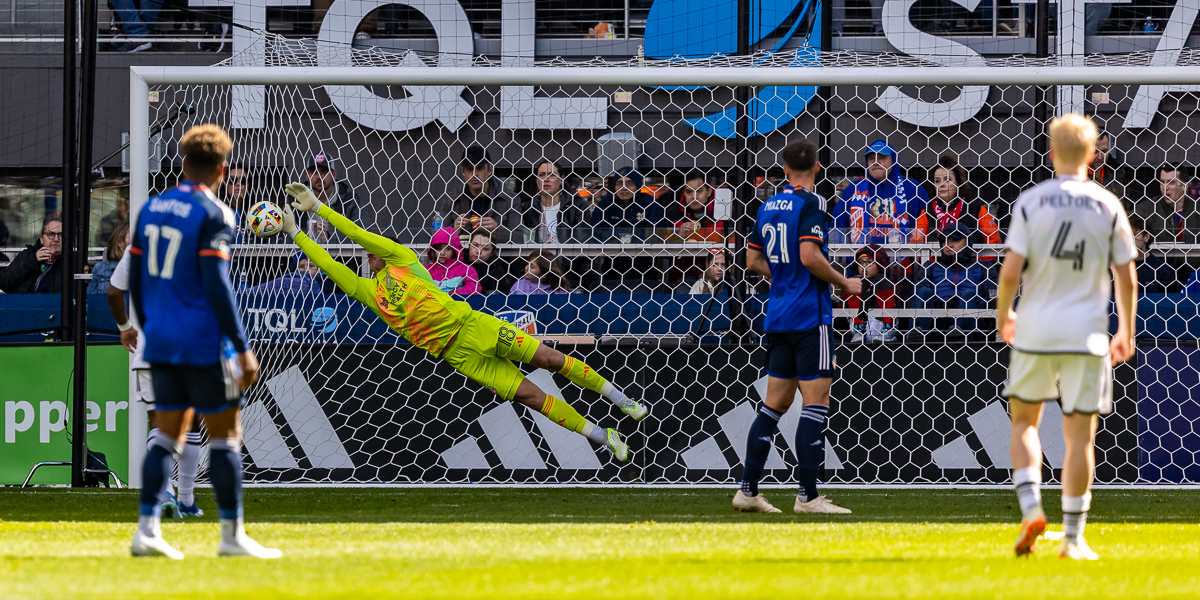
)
(644, 283)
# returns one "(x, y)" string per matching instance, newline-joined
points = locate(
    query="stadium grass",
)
(599, 543)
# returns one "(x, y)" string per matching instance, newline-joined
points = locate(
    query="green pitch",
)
(599, 543)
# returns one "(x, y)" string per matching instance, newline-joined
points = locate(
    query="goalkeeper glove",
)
(289, 221)
(305, 200)
(451, 284)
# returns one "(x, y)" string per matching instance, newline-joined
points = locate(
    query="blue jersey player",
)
(788, 245)
(195, 344)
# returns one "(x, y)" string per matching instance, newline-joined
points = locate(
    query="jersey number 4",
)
(776, 235)
(1060, 252)
(174, 238)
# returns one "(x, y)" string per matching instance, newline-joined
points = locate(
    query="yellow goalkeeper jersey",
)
(402, 294)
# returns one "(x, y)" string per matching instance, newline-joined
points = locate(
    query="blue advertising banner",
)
(1168, 415)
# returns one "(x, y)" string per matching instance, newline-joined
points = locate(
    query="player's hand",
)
(289, 221)
(45, 255)
(1121, 347)
(853, 286)
(305, 200)
(129, 339)
(249, 364)
(1007, 324)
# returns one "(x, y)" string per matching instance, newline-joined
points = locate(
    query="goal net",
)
(656, 170)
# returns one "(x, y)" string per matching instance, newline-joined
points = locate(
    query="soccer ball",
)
(265, 219)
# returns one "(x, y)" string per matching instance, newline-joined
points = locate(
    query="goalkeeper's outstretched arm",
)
(356, 287)
(391, 252)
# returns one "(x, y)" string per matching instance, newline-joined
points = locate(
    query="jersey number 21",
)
(776, 236)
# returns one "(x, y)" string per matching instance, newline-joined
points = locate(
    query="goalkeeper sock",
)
(189, 463)
(810, 445)
(585, 377)
(155, 469)
(225, 467)
(1028, 482)
(562, 413)
(758, 447)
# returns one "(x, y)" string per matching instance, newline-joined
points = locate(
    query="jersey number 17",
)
(174, 239)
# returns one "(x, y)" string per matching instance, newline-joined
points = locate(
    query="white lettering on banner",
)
(292, 315)
(110, 412)
(49, 424)
(277, 320)
(11, 424)
(93, 413)
(902, 34)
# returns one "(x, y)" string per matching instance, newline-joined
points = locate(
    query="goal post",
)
(344, 401)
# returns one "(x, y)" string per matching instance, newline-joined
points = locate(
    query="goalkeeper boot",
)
(145, 545)
(820, 504)
(1031, 529)
(170, 508)
(1077, 550)
(755, 503)
(612, 439)
(636, 410)
(186, 510)
(242, 545)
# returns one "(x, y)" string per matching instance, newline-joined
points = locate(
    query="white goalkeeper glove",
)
(289, 221)
(304, 198)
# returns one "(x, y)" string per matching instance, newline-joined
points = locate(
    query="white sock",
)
(595, 434)
(1028, 482)
(1075, 510)
(232, 530)
(148, 525)
(189, 463)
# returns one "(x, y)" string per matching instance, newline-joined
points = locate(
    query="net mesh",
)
(643, 282)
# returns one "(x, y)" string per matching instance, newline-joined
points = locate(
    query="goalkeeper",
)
(478, 345)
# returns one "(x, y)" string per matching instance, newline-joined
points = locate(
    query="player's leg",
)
(172, 418)
(189, 464)
(564, 415)
(816, 366)
(143, 390)
(780, 394)
(1032, 379)
(1086, 383)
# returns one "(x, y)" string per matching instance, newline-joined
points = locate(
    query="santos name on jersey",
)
(1070, 231)
(799, 300)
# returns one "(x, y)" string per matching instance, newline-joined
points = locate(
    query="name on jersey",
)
(781, 204)
(1067, 201)
(175, 207)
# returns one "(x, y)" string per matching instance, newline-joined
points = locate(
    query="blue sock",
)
(225, 469)
(810, 445)
(156, 473)
(759, 445)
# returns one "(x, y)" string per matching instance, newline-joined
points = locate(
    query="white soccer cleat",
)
(1077, 550)
(636, 410)
(144, 545)
(613, 441)
(244, 546)
(820, 504)
(757, 503)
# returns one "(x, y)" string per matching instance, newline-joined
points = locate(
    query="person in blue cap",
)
(882, 207)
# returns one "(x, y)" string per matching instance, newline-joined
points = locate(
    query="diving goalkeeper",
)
(478, 345)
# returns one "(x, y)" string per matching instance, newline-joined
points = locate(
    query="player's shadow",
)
(595, 505)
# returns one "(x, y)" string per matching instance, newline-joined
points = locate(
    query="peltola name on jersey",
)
(1067, 202)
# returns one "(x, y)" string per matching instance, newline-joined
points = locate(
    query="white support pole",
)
(139, 188)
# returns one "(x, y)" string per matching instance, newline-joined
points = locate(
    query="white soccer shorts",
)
(143, 391)
(1084, 382)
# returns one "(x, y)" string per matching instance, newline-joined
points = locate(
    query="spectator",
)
(954, 202)
(551, 213)
(714, 274)
(38, 268)
(1174, 218)
(692, 214)
(626, 213)
(883, 206)
(871, 263)
(304, 278)
(450, 273)
(137, 17)
(955, 279)
(483, 201)
(1104, 168)
(542, 276)
(115, 249)
(494, 272)
(322, 175)
(1154, 275)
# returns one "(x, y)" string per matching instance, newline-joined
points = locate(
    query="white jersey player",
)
(1066, 235)
(183, 504)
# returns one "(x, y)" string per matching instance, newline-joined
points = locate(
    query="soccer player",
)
(183, 505)
(788, 245)
(478, 345)
(1066, 235)
(195, 344)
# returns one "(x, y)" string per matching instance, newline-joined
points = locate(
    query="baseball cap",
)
(956, 231)
(875, 252)
(476, 155)
(322, 160)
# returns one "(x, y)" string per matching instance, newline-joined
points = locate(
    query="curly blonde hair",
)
(205, 147)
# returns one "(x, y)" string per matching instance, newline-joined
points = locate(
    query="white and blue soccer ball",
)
(265, 219)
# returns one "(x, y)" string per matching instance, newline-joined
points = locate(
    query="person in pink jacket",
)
(452, 275)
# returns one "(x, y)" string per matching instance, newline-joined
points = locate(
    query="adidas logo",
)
(508, 437)
(265, 444)
(993, 428)
(735, 424)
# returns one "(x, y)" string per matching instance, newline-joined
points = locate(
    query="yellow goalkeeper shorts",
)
(485, 350)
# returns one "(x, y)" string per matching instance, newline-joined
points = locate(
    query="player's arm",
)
(215, 237)
(1124, 270)
(755, 261)
(356, 287)
(135, 278)
(117, 286)
(391, 252)
(1006, 293)
(812, 238)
